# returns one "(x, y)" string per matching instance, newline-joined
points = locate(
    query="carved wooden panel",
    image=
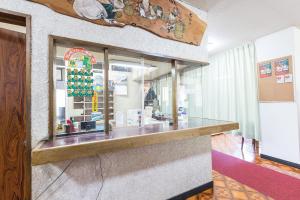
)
(13, 152)
(165, 18)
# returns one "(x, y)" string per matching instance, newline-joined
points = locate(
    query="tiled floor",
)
(226, 188)
(231, 144)
(291, 171)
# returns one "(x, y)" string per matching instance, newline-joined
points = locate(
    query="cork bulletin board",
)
(276, 80)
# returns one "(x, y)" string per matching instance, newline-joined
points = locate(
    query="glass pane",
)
(126, 91)
(157, 92)
(189, 93)
(79, 91)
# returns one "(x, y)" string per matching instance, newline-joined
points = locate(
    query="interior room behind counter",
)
(140, 90)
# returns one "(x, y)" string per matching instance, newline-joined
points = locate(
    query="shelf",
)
(111, 114)
(92, 102)
(85, 104)
(99, 108)
(89, 115)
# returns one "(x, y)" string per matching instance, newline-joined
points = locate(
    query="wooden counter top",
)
(71, 147)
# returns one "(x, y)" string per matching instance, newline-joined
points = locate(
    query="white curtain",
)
(230, 89)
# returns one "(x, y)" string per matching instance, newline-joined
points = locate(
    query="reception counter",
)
(154, 162)
(76, 146)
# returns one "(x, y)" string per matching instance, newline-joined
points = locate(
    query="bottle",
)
(70, 123)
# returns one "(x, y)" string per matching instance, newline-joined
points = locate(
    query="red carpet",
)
(266, 181)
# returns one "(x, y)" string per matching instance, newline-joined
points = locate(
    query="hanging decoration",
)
(95, 102)
(165, 18)
(79, 63)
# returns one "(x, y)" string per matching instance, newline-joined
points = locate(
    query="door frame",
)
(21, 19)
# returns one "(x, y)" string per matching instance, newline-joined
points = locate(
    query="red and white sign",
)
(69, 54)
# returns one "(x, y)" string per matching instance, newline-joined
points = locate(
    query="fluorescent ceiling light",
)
(122, 63)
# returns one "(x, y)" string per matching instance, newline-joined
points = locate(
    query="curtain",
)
(228, 89)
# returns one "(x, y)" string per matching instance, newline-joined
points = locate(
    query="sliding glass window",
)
(190, 89)
(126, 90)
(157, 92)
(79, 90)
(95, 89)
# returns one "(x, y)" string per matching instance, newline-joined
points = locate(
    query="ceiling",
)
(233, 22)
(203, 4)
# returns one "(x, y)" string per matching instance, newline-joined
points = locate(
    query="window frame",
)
(69, 43)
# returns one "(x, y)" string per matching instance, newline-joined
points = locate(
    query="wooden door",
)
(14, 160)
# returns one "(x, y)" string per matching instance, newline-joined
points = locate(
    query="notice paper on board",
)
(265, 70)
(280, 79)
(288, 78)
(281, 66)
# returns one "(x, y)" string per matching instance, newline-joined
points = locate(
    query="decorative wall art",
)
(165, 18)
(95, 102)
(79, 63)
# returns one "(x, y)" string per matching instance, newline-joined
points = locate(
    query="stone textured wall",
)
(154, 172)
(46, 21)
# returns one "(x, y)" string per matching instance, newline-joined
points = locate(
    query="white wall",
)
(280, 120)
(297, 74)
(46, 21)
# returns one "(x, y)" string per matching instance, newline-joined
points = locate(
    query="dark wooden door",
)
(14, 160)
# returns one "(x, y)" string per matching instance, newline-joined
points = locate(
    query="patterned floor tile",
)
(226, 188)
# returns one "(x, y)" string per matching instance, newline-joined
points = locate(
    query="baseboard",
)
(193, 192)
(288, 163)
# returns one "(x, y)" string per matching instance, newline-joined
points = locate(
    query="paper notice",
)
(265, 70)
(288, 78)
(281, 66)
(119, 119)
(280, 79)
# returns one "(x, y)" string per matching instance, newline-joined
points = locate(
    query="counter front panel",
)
(76, 146)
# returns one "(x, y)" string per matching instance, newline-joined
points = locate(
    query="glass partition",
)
(190, 92)
(126, 85)
(79, 81)
(157, 92)
(140, 90)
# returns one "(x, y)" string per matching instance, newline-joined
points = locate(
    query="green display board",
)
(80, 77)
